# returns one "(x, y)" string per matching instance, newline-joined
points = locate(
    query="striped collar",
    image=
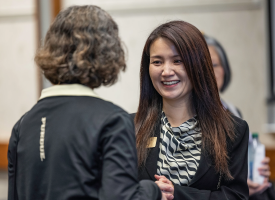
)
(68, 90)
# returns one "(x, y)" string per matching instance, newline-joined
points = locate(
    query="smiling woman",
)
(169, 76)
(185, 138)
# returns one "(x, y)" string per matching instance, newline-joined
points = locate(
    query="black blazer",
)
(89, 147)
(204, 184)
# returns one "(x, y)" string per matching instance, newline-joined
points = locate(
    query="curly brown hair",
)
(82, 46)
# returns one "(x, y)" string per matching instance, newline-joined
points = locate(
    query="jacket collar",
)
(151, 162)
(68, 90)
(152, 159)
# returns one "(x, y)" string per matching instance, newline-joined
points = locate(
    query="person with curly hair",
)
(72, 144)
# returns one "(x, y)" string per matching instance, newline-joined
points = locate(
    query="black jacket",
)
(89, 148)
(204, 184)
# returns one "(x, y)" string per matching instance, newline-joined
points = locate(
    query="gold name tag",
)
(152, 142)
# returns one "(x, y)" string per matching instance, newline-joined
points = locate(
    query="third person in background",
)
(222, 72)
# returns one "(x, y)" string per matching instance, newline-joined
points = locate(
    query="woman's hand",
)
(163, 196)
(166, 187)
(166, 196)
(264, 170)
(255, 188)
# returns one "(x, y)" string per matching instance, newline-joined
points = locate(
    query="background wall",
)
(238, 24)
(240, 27)
(18, 74)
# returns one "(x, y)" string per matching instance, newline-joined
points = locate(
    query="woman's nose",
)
(168, 70)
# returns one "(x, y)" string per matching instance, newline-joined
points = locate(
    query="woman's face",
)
(217, 66)
(167, 71)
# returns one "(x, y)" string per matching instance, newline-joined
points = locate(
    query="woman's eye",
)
(178, 61)
(215, 65)
(156, 62)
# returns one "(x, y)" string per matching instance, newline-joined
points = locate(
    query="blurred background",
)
(245, 28)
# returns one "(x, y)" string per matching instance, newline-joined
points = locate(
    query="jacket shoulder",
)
(240, 125)
(132, 116)
(100, 107)
(106, 105)
(241, 131)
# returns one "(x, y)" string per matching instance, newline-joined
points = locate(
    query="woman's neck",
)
(178, 112)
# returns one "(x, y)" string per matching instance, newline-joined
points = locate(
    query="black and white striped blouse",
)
(180, 151)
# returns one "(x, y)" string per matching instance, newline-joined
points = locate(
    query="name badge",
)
(152, 142)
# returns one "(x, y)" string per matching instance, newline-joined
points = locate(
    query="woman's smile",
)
(170, 84)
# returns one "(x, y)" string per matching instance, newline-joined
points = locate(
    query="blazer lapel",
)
(152, 159)
(204, 165)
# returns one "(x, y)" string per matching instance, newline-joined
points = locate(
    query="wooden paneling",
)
(56, 7)
(3, 156)
(271, 154)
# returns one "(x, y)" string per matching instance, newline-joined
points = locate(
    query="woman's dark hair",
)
(82, 46)
(215, 122)
(223, 58)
